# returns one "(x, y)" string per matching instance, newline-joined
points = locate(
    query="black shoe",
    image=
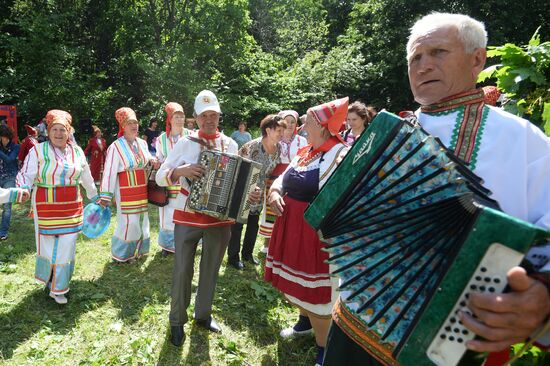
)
(209, 324)
(238, 265)
(252, 260)
(177, 337)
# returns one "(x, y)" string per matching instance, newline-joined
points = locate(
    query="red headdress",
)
(170, 109)
(31, 131)
(57, 116)
(123, 116)
(491, 94)
(331, 115)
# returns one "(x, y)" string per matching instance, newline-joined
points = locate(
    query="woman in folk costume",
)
(289, 146)
(96, 149)
(295, 263)
(124, 179)
(175, 121)
(55, 169)
(28, 143)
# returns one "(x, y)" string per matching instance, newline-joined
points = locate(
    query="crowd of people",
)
(445, 53)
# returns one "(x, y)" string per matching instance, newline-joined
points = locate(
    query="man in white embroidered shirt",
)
(190, 227)
(445, 54)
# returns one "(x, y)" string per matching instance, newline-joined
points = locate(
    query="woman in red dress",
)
(96, 148)
(295, 263)
(28, 143)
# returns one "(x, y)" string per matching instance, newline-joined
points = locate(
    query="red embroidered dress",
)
(96, 149)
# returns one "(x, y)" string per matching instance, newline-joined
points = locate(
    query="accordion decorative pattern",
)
(405, 237)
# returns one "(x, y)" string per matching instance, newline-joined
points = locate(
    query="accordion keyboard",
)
(215, 186)
(449, 345)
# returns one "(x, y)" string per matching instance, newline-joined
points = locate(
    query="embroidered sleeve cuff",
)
(16, 195)
(169, 181)
(107, 196)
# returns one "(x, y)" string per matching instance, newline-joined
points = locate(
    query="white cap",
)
(206, 101)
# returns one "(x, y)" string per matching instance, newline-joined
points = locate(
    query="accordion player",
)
(412, 234)
(222, 192)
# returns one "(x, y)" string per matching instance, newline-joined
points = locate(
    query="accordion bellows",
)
(407, 225)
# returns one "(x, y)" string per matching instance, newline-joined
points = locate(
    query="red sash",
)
(133, 191)
(59, 210)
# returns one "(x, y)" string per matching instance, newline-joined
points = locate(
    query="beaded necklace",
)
(307, 156)
(134, 148)
(60, 157)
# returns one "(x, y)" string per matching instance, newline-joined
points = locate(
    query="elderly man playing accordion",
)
(445, 54)
(190, 227)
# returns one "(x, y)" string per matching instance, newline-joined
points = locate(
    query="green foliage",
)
(258, 56)
(524, 75)
(533, 356)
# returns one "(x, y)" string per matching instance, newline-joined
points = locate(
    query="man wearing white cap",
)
(181, 165)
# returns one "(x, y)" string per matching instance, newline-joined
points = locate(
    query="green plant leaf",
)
(546, 118)
(487, 73)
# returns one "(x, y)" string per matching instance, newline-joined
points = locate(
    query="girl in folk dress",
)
(55, 169)
(96, 149)
(124, 180)
(175, 120)
(359, 117)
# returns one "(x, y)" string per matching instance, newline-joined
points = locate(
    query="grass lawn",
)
(118, 314)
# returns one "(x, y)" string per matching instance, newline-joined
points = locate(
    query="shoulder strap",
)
(201, 142)
(198, 141)
(331, 166)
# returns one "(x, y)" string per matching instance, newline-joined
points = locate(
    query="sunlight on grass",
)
(118, 314)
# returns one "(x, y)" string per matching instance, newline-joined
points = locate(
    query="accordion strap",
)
(334, 161)
(201, 142)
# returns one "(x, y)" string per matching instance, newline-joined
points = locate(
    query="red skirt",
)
(295, 263)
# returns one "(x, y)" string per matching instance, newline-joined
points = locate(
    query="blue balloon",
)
(96, 220)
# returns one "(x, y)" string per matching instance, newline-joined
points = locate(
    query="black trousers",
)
(249, 239)
(341, 350)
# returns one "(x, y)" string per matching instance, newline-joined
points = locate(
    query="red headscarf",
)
(57, 116)
(331, 115)
(170, 109)
(491, 94)
(31, 131)
(123, 116)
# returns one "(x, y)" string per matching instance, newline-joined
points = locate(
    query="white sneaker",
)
(60, 299)
(291, 332)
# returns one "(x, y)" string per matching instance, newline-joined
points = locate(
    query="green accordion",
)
(410, 232)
